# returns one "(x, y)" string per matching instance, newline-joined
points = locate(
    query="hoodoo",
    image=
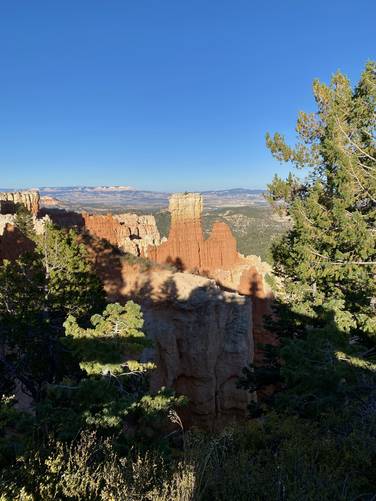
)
(186, 245)
(186, 239)
(202, 341)
(216, 257)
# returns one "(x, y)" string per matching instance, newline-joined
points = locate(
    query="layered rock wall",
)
(217, 255)
(9, 200)
(129, 232)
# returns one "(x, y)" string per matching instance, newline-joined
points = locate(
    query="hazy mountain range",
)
(117, 198)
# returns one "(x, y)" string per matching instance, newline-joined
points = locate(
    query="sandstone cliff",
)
(30, 199)
(202, 338)
(203, 334)
(130, 232)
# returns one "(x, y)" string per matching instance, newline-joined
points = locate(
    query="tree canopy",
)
(328, 260)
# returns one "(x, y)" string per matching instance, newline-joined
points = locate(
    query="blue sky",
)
(164, 94)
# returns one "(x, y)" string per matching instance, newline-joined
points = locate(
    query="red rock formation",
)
(216, 257)
(185, 240)
(129, 232)
(220, 249)
(202, 337)
(186, 245)
(105, 227)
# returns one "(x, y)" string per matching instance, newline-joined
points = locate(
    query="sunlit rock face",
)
(220, 248)
(186, 239)
(186, 246)
(216, 257)
(130, 232)
(9, 201)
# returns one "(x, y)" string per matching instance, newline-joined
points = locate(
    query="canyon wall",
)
(130, 232)
(204, 335)
(9, 200)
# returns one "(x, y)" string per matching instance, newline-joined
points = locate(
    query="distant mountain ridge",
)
(125, 198)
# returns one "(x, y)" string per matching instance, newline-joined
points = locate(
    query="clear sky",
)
(164, 94)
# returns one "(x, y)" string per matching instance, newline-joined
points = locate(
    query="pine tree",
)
(327, 261)
(71, 287)
(114, 342)
(112, 392)
(36, 293)
(24, 221)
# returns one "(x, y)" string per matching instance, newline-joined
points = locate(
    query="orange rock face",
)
(186, 239)
(186, 246)
(216, 257)
(130, 232)
(220, 248)
(105, 227)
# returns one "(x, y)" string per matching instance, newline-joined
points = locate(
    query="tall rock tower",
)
(186, 246)
(185, 240)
